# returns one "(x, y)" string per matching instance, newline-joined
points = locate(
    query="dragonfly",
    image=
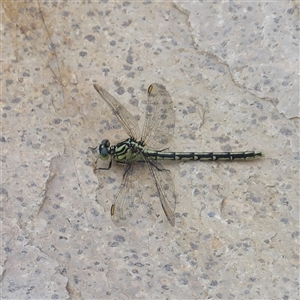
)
(148, 148)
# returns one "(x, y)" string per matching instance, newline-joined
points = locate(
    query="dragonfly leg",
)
(163, 149)
(127, 168)
(156, 167)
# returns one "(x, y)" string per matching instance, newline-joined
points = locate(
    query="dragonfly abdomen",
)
(202, 155)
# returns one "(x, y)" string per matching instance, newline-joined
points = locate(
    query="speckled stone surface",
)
(231, 70)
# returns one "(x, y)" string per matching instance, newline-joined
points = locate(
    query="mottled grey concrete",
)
(231, 70)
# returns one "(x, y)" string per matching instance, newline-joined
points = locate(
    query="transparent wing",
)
(160, 118)
(129, 195)
(124, 116)
(165, 187)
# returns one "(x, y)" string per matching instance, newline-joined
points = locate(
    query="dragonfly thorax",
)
(128, 149)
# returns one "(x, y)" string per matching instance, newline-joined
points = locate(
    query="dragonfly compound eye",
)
(104, 153)
(105, 143)
(103, 149)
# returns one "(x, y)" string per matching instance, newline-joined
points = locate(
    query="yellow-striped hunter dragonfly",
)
(148, 148)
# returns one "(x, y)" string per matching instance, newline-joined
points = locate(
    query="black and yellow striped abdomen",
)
(202, 155)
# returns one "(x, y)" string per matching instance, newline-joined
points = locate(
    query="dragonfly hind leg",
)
(152, 163)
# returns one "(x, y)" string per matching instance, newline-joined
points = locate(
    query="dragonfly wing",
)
(160, 118)
(165, 187)
(127, 120)
(128, 196)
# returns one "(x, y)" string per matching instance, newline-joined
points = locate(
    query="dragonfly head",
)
(104, 149)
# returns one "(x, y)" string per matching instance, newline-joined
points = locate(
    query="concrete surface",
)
(231, 69)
